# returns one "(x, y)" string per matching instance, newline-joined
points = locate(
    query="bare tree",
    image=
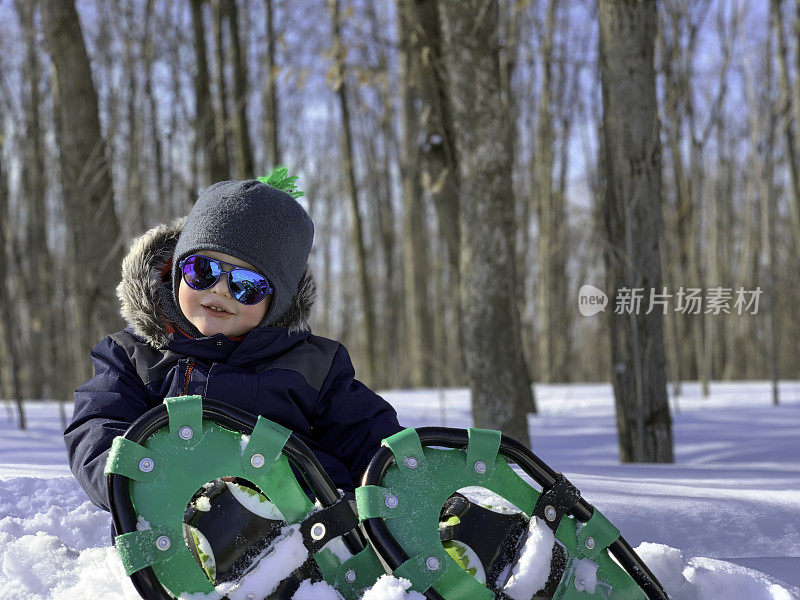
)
(501, 394)
(135, 215)
(438, 168)
(9, 349)
(154, 133)
(790, 106)
(243, 150)
(552, 305)
(206, 139)
(270, 119)
(415, 245)
(767, 258)
(377, 132)
(633, 222)
(85, 176)
(33, 189)
(339, 81)
(681, 22)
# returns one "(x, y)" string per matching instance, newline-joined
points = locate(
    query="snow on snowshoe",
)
(205, 501)
(443, 508)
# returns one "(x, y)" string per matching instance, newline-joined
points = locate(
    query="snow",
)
(531, 571)
(722, 523)
(255, 503)
(316, 591)
(585, 575)
(390, 588)
(283, 557)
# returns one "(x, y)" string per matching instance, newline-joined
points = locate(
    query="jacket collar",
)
(149, 307)
(259, 345)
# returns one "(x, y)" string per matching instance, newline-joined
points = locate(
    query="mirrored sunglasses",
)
(245, 285)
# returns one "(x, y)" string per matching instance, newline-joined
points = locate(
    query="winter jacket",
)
(302, 381)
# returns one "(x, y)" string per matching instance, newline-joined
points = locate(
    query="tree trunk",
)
(222, 119)
(416, 261)
(633, 225)
(135, 215)
(340, 88)
(677, 106)
(501, 394)
(438, 167)
(270, 99)
(163, 198)
(37, 256)
(9, 354)
(215, 166)
(241, 131)
(767, 257)
(793, 120)
(552, 282)
(384, 152)
(85, 177)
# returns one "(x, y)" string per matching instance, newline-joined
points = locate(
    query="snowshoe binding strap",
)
(436, 485)
(496, 538)
(557, 502)
(170, 503)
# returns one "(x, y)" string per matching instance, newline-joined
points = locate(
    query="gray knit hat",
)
(256, 223)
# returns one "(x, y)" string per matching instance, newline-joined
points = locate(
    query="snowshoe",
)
(443, 508)
(205, 501)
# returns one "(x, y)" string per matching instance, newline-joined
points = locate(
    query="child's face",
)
(235, 319)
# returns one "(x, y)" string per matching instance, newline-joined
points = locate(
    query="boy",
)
(217, 305)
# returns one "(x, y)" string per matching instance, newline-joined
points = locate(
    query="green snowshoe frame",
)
(174, 449)
(411, 478)
(409, 488)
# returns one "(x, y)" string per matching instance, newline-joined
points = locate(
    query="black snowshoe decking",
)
(410, 504)
(176, 455)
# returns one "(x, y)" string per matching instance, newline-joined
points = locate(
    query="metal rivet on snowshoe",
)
(480, 466)
(392, 501)
(550, 513)
(163, 543)
(350, 576)
(432, 563)
(590, 542)
(146, 465)
(186, 432)
(411, 462)
(257, 460)
(318, 531)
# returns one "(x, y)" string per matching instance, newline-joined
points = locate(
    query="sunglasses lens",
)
(248, 287)
(200, 273)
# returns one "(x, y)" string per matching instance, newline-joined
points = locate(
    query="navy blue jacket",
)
(302, 381)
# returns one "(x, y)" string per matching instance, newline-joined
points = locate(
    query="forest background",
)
(454, 156)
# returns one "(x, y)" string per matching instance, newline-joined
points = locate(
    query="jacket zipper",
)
(189, 367)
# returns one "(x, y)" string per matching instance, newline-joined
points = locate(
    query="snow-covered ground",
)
(722, 523)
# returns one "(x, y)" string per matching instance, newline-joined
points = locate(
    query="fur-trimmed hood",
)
(148, 304)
